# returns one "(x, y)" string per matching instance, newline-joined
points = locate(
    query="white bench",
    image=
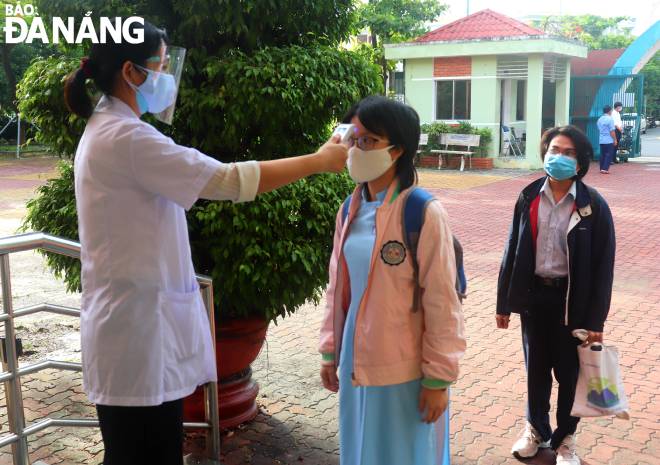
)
(423, 141)
(469, 141)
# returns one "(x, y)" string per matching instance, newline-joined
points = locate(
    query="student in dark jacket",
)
(557, 273)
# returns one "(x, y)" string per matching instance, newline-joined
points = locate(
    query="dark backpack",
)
(414, 212)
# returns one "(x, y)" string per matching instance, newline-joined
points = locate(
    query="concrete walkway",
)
(297, 423)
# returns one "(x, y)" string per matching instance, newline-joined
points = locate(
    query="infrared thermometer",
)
(345, 131)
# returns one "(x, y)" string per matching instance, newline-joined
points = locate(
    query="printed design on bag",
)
(393, 253)
(602, 393)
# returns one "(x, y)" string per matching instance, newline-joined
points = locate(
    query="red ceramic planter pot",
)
(238, 343)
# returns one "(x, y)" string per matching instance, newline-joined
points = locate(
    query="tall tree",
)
(600, 33)
(391, 21)
(651, 74)
(15, 60)
(12, 69)
(596, 32)
(262, 80)
(9, 72)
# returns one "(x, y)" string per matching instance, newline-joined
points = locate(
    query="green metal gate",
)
(589, 94)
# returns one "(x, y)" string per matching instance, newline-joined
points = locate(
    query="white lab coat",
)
(145, 334)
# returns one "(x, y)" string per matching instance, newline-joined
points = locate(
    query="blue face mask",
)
(156, 93)
(560, 167)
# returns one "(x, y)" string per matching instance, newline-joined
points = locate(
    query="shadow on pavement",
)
(545, 457)
(268, 441)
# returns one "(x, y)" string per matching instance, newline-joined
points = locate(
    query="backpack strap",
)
(414, 212)
(461, 279)
(344, 209)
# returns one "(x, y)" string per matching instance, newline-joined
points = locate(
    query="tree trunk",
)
(9, 73)
(383, 62)
(11, 83)
(21, 135)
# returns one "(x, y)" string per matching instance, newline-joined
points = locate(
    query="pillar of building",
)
(485, 98)
(534, 110)
(563, 97)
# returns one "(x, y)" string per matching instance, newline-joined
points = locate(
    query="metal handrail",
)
(45, 242)
(19, 431)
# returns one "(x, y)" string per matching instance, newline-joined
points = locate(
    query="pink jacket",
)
(393, 343)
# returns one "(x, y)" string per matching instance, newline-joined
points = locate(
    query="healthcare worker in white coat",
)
(146, 342)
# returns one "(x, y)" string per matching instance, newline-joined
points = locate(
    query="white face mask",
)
(367, 165)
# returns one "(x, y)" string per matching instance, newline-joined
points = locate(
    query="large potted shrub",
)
(262, 80)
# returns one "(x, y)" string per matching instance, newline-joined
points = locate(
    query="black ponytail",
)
(75, 94)
(104, 65)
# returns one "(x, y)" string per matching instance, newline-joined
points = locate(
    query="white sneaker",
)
(528, 443)
(566, 452)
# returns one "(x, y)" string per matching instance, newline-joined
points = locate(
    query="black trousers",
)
(549, 347)
(618, 141)
(606, 156)
(142, 435)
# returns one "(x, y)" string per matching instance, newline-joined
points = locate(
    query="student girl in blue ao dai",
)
(390, 362)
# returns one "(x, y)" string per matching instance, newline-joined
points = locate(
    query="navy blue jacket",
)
(591, 247)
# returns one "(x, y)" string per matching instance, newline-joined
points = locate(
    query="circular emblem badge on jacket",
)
(393, 253)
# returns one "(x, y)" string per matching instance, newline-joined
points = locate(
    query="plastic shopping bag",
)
(599, 390)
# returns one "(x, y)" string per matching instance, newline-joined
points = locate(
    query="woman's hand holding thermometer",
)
(345, 131)
(333, 154)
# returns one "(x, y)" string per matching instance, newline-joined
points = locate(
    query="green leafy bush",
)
(269, 257)
(266, 257)
(53, 211)
(278, 101)
(263, 80)
(435, 129)
(40, 97)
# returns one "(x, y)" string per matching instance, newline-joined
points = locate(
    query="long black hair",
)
(396, 121)
(105, 63)
(583, 148)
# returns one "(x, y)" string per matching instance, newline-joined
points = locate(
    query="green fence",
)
(589, 94)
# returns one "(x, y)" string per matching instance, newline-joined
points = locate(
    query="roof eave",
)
(498, 46)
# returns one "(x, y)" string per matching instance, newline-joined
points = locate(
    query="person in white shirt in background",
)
(146, 342)
(618, 125)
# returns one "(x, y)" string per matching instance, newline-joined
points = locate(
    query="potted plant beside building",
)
(480, 159)
(426, 158)
(247, 93)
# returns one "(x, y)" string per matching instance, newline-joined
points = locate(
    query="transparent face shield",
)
(171, 63)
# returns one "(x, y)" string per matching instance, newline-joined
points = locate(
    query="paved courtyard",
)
(297, 423)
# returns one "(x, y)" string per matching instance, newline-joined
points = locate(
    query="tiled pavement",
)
(48, 393)
(298, 419)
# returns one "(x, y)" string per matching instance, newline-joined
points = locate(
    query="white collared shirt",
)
(616, 116)
(145, 332)
(551, 243)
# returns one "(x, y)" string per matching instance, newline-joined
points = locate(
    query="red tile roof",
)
(598, 62)
(484, 24)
